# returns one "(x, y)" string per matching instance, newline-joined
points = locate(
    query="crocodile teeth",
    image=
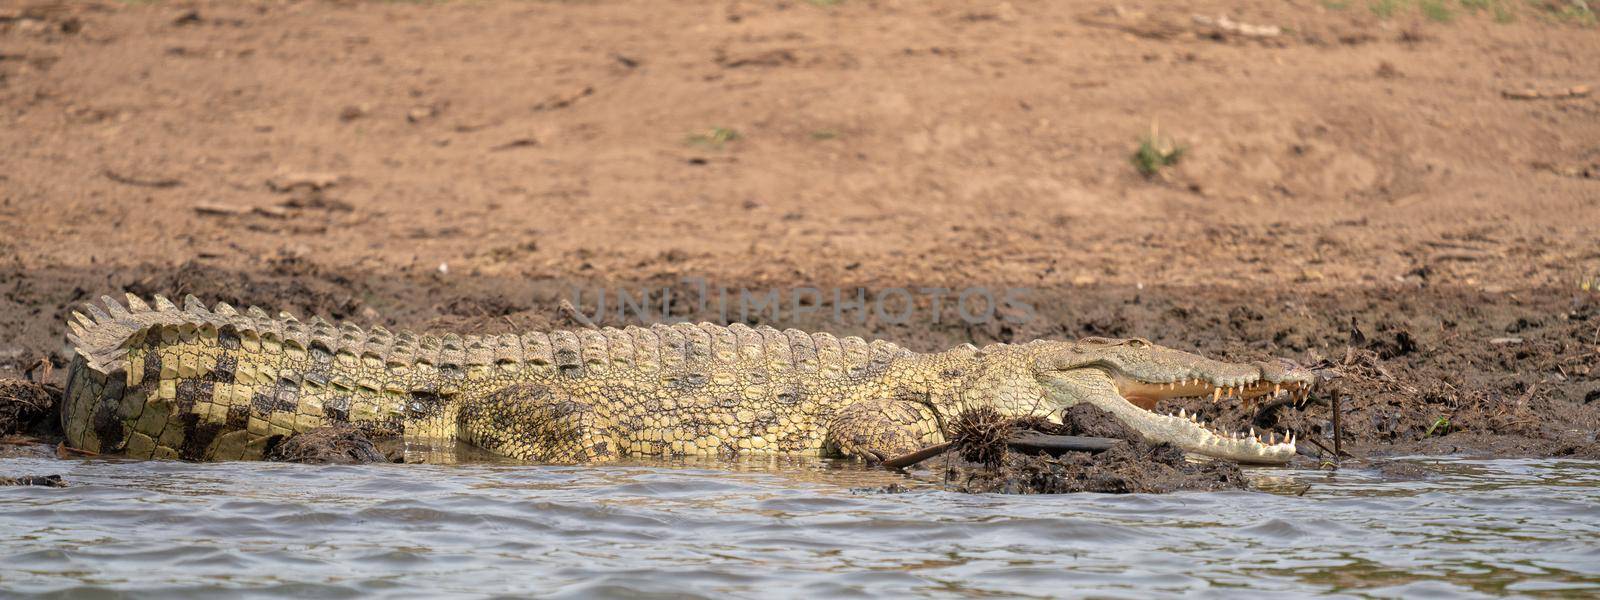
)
(1216, 395)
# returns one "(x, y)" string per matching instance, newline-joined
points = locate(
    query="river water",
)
(785, 528)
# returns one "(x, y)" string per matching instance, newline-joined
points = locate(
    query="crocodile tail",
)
(101, 336)
(163, 381)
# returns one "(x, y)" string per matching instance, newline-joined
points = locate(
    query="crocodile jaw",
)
(1186, 432)
(1128, 400)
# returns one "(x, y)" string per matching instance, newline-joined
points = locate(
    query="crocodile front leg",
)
(881, 429)
(537, 423)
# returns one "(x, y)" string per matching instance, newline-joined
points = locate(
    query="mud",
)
(1465, 375)
(1125, 469)
(1418, 369)
(38, 480)
(979, 462)
(338, 445)
(1424, 240)
(28, 408)
(25, 448)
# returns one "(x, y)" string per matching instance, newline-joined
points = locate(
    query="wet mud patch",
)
(1447, 374)
(34, 480)
(1416, 369)
(980, 461)
(27, 407)
(333, 445)
(30, 424)
(1413, 369)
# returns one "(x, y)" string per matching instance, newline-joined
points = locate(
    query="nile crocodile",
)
(200, 383)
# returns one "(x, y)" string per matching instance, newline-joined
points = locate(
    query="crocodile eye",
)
(1139, 343)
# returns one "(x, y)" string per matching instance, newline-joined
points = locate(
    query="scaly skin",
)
(213, 384)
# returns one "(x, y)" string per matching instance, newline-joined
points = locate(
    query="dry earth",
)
(1374, 193)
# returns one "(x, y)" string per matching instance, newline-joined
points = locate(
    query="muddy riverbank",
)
(1423, 237)
(1416, 368)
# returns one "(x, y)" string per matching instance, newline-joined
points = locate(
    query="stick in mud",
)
(1057, 444)
(1338, 431)
(906, 460)
(1037, 442)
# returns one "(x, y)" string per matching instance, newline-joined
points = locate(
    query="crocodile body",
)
(200, 383)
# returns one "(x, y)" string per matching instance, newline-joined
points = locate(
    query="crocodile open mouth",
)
(1193, 434)
(1146, 394)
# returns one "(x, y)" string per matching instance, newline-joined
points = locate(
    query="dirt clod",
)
(36, 480)
(1134, 466)
(337, 445)
(26, 407)
(1086, 420)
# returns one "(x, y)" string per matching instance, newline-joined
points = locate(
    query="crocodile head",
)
(1126, 378)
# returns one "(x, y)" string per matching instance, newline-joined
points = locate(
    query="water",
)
(782, 529)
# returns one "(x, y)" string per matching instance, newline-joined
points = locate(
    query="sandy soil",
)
(1375, 195)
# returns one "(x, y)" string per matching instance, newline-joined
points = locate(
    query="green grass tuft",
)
(1501, 11)
(1575, 11)
(1384, 9)
(714, 138)
(1445, 11)
(1437, 11)
(1155, 153)
(1441, 424)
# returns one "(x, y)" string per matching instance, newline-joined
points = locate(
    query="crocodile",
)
(215, 383)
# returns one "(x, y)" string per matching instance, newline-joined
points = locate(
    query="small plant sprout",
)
(1441, 425)
(1156, 152)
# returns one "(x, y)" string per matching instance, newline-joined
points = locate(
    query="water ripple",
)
(784, 528)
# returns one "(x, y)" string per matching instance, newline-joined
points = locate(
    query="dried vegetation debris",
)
(980, 435)
(27, 407)
(1519, 389)
(27, 412)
